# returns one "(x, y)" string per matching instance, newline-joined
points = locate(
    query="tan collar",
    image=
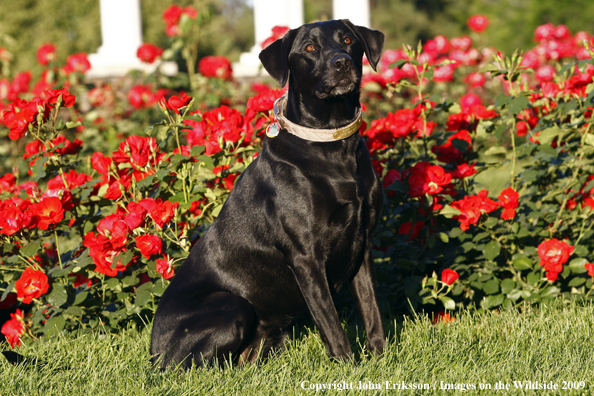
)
(316, 135)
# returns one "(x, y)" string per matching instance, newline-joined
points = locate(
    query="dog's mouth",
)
(342, 87)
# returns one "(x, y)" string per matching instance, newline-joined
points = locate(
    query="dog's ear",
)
(372, 40)
(275, 57)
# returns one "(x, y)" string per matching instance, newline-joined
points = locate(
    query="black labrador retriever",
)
(298, 224)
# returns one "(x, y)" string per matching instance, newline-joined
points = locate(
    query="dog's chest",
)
(346, 232)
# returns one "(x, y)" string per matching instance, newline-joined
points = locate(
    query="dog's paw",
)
(376, 345)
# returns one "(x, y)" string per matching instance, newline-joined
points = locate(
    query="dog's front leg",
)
(363, 289)
(316, 292)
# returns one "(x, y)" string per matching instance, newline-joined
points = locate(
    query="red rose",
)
(15, 215)
(32, 284)
(73, 180)
(553, 254)
(14, 328)
(147, 53)
(149, 245)
(137, 150)
(69, 147)
(18, 116)
(472, 207)
(463, 170)
(100, 162)
(277, 32)
(405, 229)
(102, 251)
(48, 211)
(478, 23)
(175, 103)
(262, 102)
(61, 96)
(590, 268)
(544, 32)
(448, 153)
(443, 317)
(9, 301)
(77, 63)
(165, 267)
(508, 199)
(427, 179)
(65, 196)
(215, 66)
(7, 182)
(46, 53)
(475, 79)
(449, 276)
(135, 216)
(164, 212)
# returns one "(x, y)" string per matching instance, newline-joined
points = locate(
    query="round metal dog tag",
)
(272, 130)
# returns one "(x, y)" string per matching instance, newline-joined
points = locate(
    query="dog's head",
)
(324, 58)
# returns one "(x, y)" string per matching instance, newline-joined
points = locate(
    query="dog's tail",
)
(16, 359)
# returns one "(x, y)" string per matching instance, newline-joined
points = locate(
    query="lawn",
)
(550, 345)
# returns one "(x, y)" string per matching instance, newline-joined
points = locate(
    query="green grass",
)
(551, 343)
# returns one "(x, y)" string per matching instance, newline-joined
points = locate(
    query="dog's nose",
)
(342, 63)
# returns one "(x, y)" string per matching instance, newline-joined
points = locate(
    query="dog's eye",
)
(347, 40)
(310, 48)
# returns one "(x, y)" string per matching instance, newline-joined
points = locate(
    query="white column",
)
(121, 35)
(267, 14)
(357, 11)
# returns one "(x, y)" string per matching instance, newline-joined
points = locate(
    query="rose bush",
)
(486, 161)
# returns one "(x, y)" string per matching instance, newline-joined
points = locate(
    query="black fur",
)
(297, 226)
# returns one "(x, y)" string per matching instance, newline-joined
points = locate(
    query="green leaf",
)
(547, 136)
(146, 182)
(159, 288)
(84, 259)
(460, 144)
(54, 325)
(517, 105)
(490, 67)
(179, 197)
(215, 212)
(491, 287)
(60, 125)
(124, 258)
(575, 282)
(444, 237)
(31, 249)
(534, 277)
(73, 124)
(142, 298)
(522, 262)
(196, 151)
(514, 295)
(491, 222)
(502, 100)
(507, 285)
(80, 297)
(75, 311)
(399, 63)
(455, 232)
(398, 186)
(448, 303)
(495, 301)
(577, 265)
(492, 250)
(449, 212)
(550, 292)
(58, 296)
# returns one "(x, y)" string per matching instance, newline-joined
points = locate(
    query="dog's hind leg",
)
(263, 344)
(219, 325)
